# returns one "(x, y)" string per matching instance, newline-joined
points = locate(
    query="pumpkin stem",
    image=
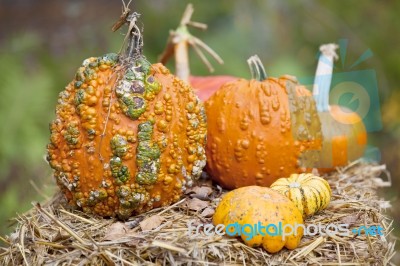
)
(323, 76)
(133, 38)
(178, 45)
(257, 68)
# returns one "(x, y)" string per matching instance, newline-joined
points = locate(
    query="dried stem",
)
(178, 45)
(208, 49)
(122, 19)
(200, 53)
(133, 38)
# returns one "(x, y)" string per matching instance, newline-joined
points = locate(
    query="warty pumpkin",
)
(253, 205)
(345, 136)
(309, 193)
(260, 130)
(128, 135)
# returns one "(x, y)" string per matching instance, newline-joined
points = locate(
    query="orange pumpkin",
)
(260, 130)
(128, 136)
(345, 136)
(254, 206)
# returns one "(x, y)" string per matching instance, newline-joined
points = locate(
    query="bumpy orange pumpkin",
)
(128, 136)
(345, 136)
(257, 206)
(309, 193)
(260, 130)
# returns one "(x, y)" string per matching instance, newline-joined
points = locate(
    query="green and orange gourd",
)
(128, 135)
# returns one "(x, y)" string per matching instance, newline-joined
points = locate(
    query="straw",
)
(52, 233)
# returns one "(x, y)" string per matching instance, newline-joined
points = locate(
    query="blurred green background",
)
(43, 42)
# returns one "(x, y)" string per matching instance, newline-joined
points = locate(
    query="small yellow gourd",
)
(309, 193)
(253, 206)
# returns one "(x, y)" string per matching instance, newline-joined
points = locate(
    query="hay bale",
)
(54, 234)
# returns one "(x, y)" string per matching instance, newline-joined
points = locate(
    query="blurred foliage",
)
(43, 43)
